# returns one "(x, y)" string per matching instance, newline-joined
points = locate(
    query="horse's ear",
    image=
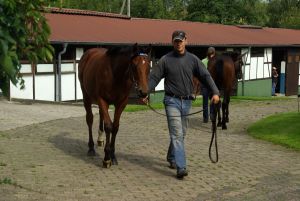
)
(242, 55)
(135, 48)
(148, 49)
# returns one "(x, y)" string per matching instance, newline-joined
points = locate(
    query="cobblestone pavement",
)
(43, 157)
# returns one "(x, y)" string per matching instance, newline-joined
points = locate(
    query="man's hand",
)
(146, 100)
(215, 99)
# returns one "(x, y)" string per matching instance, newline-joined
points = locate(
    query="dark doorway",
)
(279, 55)
(292, 71)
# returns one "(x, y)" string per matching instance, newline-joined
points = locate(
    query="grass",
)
(8, 181)
(283, 129)
(160, 105)
(198, 102)
(254, 98)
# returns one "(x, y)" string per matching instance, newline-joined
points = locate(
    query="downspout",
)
(58, 78)
(128, 8)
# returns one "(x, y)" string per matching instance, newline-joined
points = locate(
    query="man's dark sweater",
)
(178, 71)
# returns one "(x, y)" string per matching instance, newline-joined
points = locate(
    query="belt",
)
(189, 97)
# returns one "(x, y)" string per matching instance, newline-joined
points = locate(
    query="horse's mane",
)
(219, 71)
(119, 50)
(234, 55)
(127, 50)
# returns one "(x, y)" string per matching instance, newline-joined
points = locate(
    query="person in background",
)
(274, 80)
(178, 68)
(211, 52)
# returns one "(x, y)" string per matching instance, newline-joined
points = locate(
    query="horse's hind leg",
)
(89, 121)
(100, 140)
(107, 128)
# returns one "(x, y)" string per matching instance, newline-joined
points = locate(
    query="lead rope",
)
(214, 134)
(151, 108)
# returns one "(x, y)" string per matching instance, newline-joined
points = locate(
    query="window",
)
(25, 68)
(44, 68)
(257, 52)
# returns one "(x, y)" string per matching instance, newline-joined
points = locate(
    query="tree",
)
(284, 13)
(23, 35)
(228, 11)
(112, 6)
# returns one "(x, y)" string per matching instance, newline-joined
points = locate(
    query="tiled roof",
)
(78, 26)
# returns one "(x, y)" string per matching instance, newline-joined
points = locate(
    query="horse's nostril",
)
(141, 94)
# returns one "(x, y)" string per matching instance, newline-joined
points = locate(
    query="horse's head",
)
(238, 64)
(141, 68)
(238, 69)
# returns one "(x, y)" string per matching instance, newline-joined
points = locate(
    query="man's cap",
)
(178, 35)
(210, 51)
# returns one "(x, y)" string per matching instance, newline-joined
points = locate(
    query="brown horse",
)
(106, 78)
(225, 69)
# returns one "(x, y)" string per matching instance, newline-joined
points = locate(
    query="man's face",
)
(179, 45)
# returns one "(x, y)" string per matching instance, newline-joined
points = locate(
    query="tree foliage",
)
(228, 11)
(284, 13)
(23, 35)
(274, 13)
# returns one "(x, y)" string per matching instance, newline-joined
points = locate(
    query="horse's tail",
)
(219, 72)
(81, 65)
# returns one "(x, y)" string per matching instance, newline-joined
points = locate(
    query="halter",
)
(131, 66)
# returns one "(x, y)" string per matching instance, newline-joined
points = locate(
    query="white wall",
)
(26, 93)
(67, 87)
(257, 67)
(299, 75)
(45, 87)
(267, 62)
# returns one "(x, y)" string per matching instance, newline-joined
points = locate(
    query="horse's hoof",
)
(219, 124)
(227, 120)
(100, 143)
(114, 161)
(224, 127)
(91, 152)
(106, 164)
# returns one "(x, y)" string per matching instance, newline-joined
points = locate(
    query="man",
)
(178, 68)
(211, 52)
(274, 80)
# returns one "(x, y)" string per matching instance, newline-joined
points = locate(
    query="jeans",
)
(177, 129)
(273, 88)
(205, 103)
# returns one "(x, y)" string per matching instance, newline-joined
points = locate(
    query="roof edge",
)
(169, 44)
(71, 11)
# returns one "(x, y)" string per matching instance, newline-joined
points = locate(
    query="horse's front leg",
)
(227, 110)
(213, 115)
(224, 111)
(108, 129)
(112, 145)
(100, 140)
(219, 113)
(117, 116)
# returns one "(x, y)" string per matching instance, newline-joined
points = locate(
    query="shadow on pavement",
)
(78, 149)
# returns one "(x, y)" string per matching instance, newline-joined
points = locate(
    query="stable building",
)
(74, 31)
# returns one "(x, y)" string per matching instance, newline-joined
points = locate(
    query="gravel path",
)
(43, 153)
